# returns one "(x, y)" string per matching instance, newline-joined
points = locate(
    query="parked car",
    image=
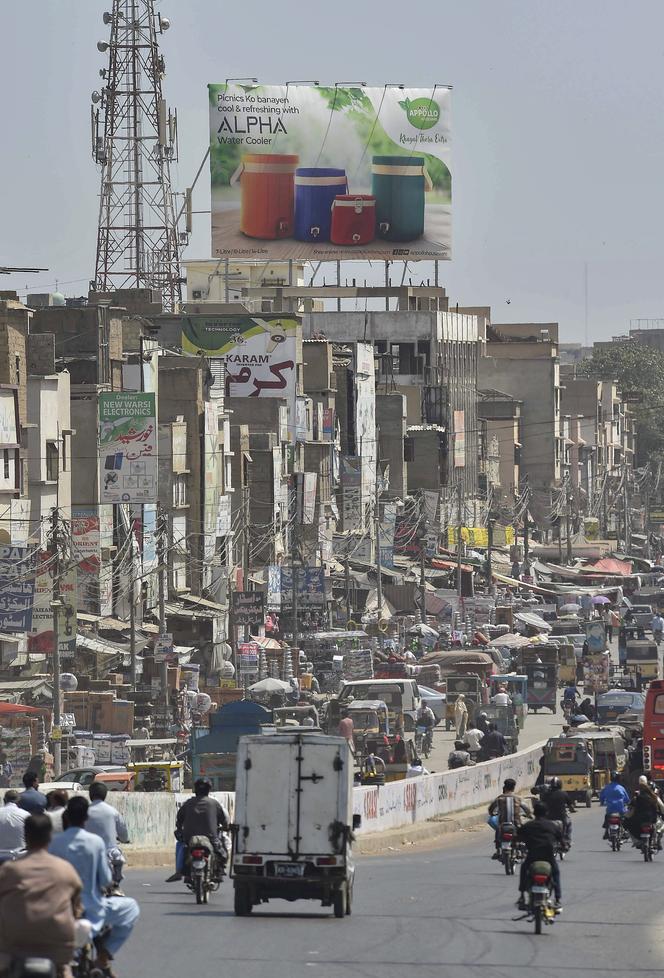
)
(435, 700)
(86, 775)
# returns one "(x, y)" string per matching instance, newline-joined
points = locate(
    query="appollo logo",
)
(422, 113)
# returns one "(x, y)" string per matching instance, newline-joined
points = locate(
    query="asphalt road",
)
(417, 912)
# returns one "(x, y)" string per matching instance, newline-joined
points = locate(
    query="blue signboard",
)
(17, 588)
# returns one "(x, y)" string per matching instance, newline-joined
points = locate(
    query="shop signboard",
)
(17, 587)
(127, 447)
(248, 607)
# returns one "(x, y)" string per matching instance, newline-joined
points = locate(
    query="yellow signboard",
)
(478, 536)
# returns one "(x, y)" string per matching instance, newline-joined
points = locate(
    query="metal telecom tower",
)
(134, 139)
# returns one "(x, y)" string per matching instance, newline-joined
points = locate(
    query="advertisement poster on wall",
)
(310, 172)
(127, 448)
(17, 588)
(459, 439)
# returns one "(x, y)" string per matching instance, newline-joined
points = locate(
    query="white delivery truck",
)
(293, 820)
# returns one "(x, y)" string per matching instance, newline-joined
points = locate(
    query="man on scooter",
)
(559, 805)
(507, 808)
(202, 815)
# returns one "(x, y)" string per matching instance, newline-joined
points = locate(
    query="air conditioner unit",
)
(199, 294)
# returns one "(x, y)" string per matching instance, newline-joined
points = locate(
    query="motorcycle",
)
(510, 850)
(615, 831)
(423, 741)
(201, 861)
(647, 841)
(10, 855)
(31, 968)
(539, 894)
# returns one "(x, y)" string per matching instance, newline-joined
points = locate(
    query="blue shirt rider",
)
(614, 797)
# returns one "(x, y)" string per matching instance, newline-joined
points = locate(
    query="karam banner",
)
(260, 352)
(128, 448)
(328, 173)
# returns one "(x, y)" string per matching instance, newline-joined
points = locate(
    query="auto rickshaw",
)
(472, 687)
(643, 655)
(504, 718)
(517, 687)
(628, 632)
(158, 775)
(540, 664)
(371, 725)
(566, 664)
(568, 759)
(607, 747)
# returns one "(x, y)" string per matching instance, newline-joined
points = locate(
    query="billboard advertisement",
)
(127, 448)
(260, 352)
(308, 172)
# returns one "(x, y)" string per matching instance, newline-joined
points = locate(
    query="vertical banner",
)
(386, 534)
(17, 588)
(459, 439)
(127, 448)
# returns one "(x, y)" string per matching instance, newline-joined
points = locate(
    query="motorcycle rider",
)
(646, 809)
(540, 837)
(426, 718)
(559, 805)
(39, 900)
(105, 821)
(87, 854)
(569, 700)
(508, 808)
(615, 798)
(12, 822)
(202, 815)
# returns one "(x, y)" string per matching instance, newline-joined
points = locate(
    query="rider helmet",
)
(615, 776)
(556, 784)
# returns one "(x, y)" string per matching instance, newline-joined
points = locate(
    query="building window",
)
(18, 370)
(5, 461)
(52, 461)
(179, 490)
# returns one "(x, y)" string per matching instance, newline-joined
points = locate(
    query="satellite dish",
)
(102, 46)
(107, 18)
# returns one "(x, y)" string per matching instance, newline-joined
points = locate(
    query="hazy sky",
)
(558, 136)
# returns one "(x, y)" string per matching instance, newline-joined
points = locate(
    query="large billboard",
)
(127, 448)
(260, 352)
(307, 172)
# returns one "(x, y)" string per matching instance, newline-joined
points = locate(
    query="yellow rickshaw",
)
(569, 760)
(158, 775)
(607, 747)
(566, 664)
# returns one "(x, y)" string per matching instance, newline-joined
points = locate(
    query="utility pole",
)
(568, 536)
(647, 515)
(489, 553)
(379, 571)
(423, 582)
(295, 574)
(161, 569)
(459, 529)
(347, 586)
(56, 607)
(628, 532)
(526, 542)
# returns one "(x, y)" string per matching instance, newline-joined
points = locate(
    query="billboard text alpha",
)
(127, 448)
(307, 172)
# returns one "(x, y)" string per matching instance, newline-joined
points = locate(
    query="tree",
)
(639, 373)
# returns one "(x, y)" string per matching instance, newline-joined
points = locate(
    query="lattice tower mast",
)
(134, 140)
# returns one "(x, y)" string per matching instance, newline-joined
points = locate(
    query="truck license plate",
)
(289, 869)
